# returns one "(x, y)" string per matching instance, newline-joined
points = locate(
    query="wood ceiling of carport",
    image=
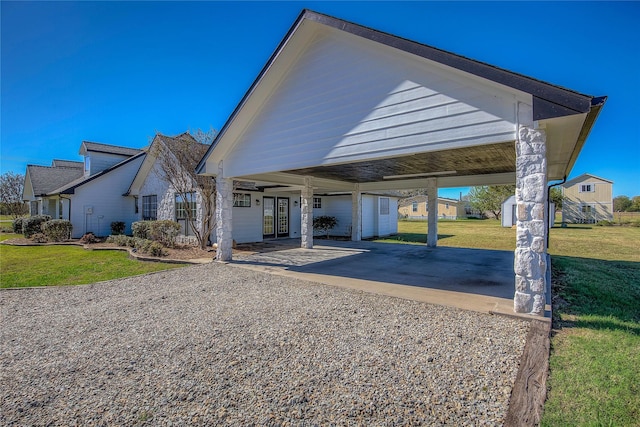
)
(477, 160)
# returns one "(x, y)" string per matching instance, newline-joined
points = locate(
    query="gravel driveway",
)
(221, 345)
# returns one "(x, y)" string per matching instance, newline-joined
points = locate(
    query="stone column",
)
(356, 214)
(306, 213)
(530, 264)
(432, 207)
(224, 209)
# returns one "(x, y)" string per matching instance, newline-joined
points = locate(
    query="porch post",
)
(356, 214)
(224, 209)
(530, 264)
(432, 207)
(306, 214)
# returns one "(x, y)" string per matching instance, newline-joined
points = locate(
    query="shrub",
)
(604, 223)
(57, 230)
(117, 227)
(120, 240)
(17, 225)
(89, 238)
(164, 231)
(156, 249)
(32, 225)
(140, 229)
(39, 238)
(325, 223)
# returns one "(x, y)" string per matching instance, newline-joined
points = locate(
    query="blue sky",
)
(120, 72)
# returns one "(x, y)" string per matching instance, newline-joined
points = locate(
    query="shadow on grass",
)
(591, 288)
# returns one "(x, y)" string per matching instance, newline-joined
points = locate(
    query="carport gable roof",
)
(548, 101)
(45, 179)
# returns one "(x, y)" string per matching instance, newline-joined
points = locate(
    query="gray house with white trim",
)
(344, 108)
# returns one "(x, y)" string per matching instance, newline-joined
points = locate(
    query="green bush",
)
(156, 249)
(32, 225)
(57, 230)
(119, 239)
(605, 223)
(117, 227)
(39, 238)
(164, 231)
(140, 229)
(325, 223)
(17, 225)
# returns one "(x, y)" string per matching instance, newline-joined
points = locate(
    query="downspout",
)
(548, 227)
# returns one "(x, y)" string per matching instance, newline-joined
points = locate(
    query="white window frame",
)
(414, 207)
(587, 188)
(241, 200)
(317, 203)
(384, 206)
(180, 206)
(150, 207)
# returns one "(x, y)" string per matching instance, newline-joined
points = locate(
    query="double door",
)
(275, 217)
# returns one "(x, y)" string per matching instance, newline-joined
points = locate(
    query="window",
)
(384, 206)
(587, 188)
(241, 200)
(135, 203)
(414, 207)
(317, 202)
(34, 208)
(150, 208)
(184, 206)
(446, 205)
(87, 165)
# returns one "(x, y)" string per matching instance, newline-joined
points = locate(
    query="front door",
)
(275, 217)
(283, 217)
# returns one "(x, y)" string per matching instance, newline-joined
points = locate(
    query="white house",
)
(89, 194)
(587, 199)
(344, 108)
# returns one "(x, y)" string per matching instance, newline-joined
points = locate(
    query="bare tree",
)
(11, 187)
(177, 158)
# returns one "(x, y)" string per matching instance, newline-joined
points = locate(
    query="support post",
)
(356, 214)
(432, 208)
(530, 261)
(224, 209)
(306, 213)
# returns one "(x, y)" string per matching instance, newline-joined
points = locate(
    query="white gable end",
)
(346, 99)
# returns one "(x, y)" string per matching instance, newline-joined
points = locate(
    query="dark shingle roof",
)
(109, 149)
(45, 179)
(66, 163)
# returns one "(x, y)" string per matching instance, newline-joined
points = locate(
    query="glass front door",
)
(275, 217)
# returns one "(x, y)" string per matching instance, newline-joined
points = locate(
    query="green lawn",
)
(28, 266)
(595, 357)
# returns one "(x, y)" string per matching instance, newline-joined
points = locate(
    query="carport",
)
(340, 107)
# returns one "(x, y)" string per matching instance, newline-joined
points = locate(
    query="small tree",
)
(11, 186)
(490, 198)
(325, 223)
(177, 159)
(555, 196)
(621, 203)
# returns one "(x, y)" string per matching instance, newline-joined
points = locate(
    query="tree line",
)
(626, 204)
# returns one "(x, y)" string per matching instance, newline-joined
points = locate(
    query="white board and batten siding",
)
(347, 99)
(101, 161)
(98, 203)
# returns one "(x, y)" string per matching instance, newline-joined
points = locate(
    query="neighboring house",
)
(416, 208)
(89, 193)
(587, 200)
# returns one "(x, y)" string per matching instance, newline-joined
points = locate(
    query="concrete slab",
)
(471, 279)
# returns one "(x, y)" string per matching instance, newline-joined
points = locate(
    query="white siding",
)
(340, 208)
(348, 99)
(101, 161)
(368, 216)
(104, 195)
(247, 222)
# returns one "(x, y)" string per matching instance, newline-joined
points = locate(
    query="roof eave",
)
(596, 106)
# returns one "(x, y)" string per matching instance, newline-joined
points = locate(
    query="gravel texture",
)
(220, 345)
